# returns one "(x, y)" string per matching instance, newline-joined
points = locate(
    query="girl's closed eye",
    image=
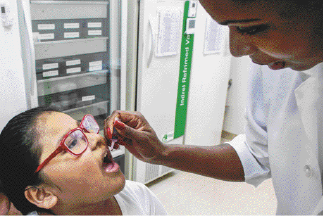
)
(252, 30)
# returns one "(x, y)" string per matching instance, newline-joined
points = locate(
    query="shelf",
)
(86, 107)
(70, 41)
(69, 2)
(92, 73)
(63, 48)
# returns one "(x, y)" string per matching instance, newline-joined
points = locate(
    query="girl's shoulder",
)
(135, 188)
(137, 199)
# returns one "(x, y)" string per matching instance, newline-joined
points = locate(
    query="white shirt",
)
(136, 199)
(284, 137)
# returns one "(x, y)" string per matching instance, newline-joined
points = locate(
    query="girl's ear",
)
(40, 197)
(4, 204)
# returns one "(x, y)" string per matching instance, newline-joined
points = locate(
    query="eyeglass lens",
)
(90, 124)
(76, 142)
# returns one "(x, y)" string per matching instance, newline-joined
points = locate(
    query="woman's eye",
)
(252, 30)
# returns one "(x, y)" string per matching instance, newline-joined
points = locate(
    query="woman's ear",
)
(40, 197)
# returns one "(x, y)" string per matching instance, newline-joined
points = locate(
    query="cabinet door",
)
(77, 56)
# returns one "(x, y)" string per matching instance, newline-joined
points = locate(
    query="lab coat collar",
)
(313, 70)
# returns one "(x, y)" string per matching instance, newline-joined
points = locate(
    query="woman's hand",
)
(136, 135)
(218, 161)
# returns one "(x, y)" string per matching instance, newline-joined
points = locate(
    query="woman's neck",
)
(106, 207)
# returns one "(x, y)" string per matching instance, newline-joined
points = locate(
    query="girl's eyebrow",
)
(238, 21)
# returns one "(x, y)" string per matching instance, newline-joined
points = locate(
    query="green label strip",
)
(184, 78)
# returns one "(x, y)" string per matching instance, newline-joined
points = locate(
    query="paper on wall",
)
(214, 37)
(169, 33)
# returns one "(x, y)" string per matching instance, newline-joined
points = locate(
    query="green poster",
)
(184, 77)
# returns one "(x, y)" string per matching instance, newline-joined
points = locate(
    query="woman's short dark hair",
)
(19, 157)
(300, 4)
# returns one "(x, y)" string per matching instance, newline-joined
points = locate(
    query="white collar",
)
(314, 70)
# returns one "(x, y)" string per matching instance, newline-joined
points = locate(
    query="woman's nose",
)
(240, 45)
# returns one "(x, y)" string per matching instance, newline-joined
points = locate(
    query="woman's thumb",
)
(119, 125)
(123, 129)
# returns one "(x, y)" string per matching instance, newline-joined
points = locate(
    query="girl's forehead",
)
(54, 119)
(53, 125)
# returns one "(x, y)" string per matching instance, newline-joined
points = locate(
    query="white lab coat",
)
(283, 137)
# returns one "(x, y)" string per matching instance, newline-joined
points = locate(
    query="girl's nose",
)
(240, 45)
(95, 140)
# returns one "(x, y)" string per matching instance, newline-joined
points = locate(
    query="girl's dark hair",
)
(19, 157)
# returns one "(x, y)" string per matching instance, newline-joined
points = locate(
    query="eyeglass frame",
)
(63, 147)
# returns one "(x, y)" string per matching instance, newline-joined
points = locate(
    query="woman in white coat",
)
(284, 133)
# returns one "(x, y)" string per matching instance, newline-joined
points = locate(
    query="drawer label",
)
(73, 62)
(95, 68)
(71, 25)
(94, 25)
(71, 34)
(95, 32)
(46, 26)
(50, 66)
(95, 63)
(46, 36)
(50, 73)
(73, 70)
(88, 98)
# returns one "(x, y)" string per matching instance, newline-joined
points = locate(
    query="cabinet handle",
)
(151, 50)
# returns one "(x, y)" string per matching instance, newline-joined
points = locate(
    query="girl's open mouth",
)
(109, 165)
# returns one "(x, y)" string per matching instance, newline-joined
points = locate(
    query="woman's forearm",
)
(220, 162)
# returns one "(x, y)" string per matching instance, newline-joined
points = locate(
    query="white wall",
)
(208, 90)
(234, 120)
(12, 85)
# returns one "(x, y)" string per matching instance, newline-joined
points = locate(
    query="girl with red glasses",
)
(50, 163)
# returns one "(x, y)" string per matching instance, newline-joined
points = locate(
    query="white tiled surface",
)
(189, 194)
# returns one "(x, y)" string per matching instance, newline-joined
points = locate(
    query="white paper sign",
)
(214, 37)
(169, 33)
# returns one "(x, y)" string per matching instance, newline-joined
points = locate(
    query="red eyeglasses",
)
(75, 141)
